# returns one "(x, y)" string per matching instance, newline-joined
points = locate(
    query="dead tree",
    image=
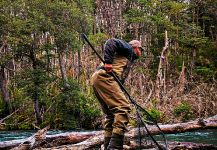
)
(161, 74)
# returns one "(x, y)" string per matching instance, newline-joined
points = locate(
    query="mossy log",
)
(88, 140)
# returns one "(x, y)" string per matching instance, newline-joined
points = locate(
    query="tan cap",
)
(136, 43)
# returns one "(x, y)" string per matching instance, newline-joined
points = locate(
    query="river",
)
(208, 136)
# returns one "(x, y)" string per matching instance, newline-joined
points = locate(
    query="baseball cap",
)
(136, 43)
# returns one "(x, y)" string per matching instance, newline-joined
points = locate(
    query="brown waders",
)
(115, 107)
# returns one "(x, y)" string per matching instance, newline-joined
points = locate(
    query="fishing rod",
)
(137, 106)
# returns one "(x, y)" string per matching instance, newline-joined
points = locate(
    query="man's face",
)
(137, 51)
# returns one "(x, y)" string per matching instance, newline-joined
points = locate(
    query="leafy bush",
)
(183, 110)
(74, 110)
(205, 72)
(154, 115)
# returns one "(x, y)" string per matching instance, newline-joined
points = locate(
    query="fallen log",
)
(179, 127)
(93, 142)
(33, 141)
(86, 140)
(49, 140)
(96, 142)
(175, 146)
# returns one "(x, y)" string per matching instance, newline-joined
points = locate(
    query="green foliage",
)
(23, 24)
(98, 38)
(183, 110)
(18, 96)
(155, 102)
(205, 72)
(154, 114)
(2, 108)
(25, 126)
(74, 110)
(135, 16)
(61, 108)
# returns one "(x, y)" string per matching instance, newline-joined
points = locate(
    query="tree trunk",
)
(161, 74)
(62, 64)
(4, 90)
(79, 65)
(3, 79)
(35, 94)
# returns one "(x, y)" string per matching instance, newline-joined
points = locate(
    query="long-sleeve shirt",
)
(121, 55)
(118, 47)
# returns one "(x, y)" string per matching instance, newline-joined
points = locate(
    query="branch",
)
(9, 116)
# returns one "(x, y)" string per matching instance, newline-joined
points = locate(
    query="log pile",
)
(93, 140)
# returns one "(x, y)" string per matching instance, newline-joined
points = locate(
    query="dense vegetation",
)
(45, 67)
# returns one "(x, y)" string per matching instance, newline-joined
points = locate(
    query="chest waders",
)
(139, 109)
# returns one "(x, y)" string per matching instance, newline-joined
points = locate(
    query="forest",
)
(45, 66)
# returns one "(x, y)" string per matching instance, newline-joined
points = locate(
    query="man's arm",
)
(110, 49)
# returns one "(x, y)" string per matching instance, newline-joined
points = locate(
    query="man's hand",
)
(108, 68)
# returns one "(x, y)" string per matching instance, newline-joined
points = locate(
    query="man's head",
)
(137, 47)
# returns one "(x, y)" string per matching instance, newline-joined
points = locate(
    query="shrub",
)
(154, 115)
(183, 110)
(75, 110)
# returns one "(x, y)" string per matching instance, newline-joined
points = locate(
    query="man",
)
(118, 56)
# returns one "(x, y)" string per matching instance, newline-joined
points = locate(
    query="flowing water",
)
(208, 136)
(16, 135)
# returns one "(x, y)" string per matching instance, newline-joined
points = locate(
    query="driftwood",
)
(88, 140)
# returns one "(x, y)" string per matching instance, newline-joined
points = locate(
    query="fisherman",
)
(118, 58)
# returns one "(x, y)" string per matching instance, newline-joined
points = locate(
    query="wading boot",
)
(106, 142)
(116, 142)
